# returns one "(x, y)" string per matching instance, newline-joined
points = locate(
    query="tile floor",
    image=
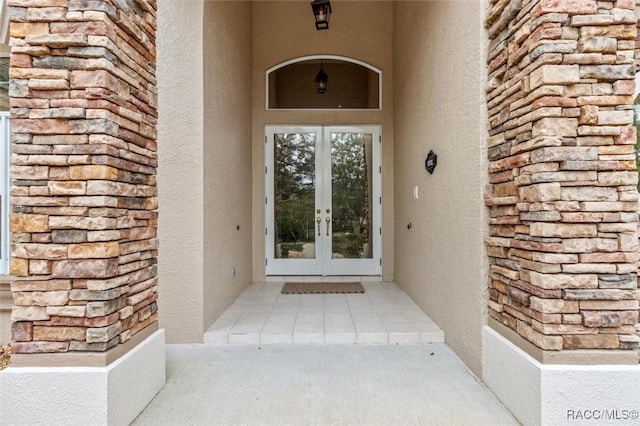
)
(384, 314)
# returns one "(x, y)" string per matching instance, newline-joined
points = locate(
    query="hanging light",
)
(321, 11)
(321, 80)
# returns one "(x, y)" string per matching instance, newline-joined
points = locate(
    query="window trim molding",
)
(324, 57)
(4, 191)
(4, 22)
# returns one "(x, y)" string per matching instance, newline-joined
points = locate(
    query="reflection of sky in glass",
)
(294, 155)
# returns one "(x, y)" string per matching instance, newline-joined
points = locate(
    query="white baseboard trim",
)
(554, 394)
(111, 395)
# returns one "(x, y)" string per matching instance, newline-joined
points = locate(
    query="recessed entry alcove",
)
(351, 84)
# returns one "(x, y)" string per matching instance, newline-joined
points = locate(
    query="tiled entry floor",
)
(384, 314)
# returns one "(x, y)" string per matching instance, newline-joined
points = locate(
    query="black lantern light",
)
(431, 162)
(321, 11)
(321, 80)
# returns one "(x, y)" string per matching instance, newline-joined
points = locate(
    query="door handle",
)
(328, 220)
(318, 221)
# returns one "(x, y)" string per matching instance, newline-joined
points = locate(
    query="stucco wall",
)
(181, 169)
(205, 155)
(438, 98)
(227, 154)
(285, 30)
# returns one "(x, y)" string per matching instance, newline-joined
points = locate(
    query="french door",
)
(323, 200)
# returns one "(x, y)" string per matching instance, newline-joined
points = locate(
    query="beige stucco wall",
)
(181, 169)
(438, 99)
(204, 51)
(227, 154)
(358, 30)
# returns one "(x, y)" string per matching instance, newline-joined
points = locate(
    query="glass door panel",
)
(351, 195)
(292, 200)
(295, 195)
(351, 187)
(323, 204)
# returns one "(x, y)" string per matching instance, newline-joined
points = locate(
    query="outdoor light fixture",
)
(321, 80)
(321, 11)
(431, 162)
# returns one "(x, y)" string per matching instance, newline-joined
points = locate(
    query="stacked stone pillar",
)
(84, 199)
(562, 196)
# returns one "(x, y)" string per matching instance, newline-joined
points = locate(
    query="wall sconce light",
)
(321, 80)
(321, 11)
(431, 162)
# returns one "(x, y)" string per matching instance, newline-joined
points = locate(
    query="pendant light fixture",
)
(321, 11)
(321, 80)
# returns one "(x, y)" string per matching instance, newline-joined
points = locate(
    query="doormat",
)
(322, 288)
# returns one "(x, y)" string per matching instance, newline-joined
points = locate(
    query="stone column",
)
(84, 205)
(83, 98)
(562, 196)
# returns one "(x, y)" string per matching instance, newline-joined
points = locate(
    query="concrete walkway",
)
(210, 384)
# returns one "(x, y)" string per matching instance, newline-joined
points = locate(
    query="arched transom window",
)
(350, 84)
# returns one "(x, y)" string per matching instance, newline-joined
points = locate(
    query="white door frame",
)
(273, 265)
(324, 263)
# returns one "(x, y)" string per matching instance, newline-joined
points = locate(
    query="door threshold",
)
(322, 279)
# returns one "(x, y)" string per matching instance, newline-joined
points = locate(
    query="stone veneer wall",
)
(562, 195)
(84, 109)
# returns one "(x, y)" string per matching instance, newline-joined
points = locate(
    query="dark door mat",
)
(322, 288)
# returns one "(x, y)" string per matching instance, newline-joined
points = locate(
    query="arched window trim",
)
(318, 57)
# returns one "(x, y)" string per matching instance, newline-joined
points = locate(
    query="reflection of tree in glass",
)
(349, 194)
(294, 187)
